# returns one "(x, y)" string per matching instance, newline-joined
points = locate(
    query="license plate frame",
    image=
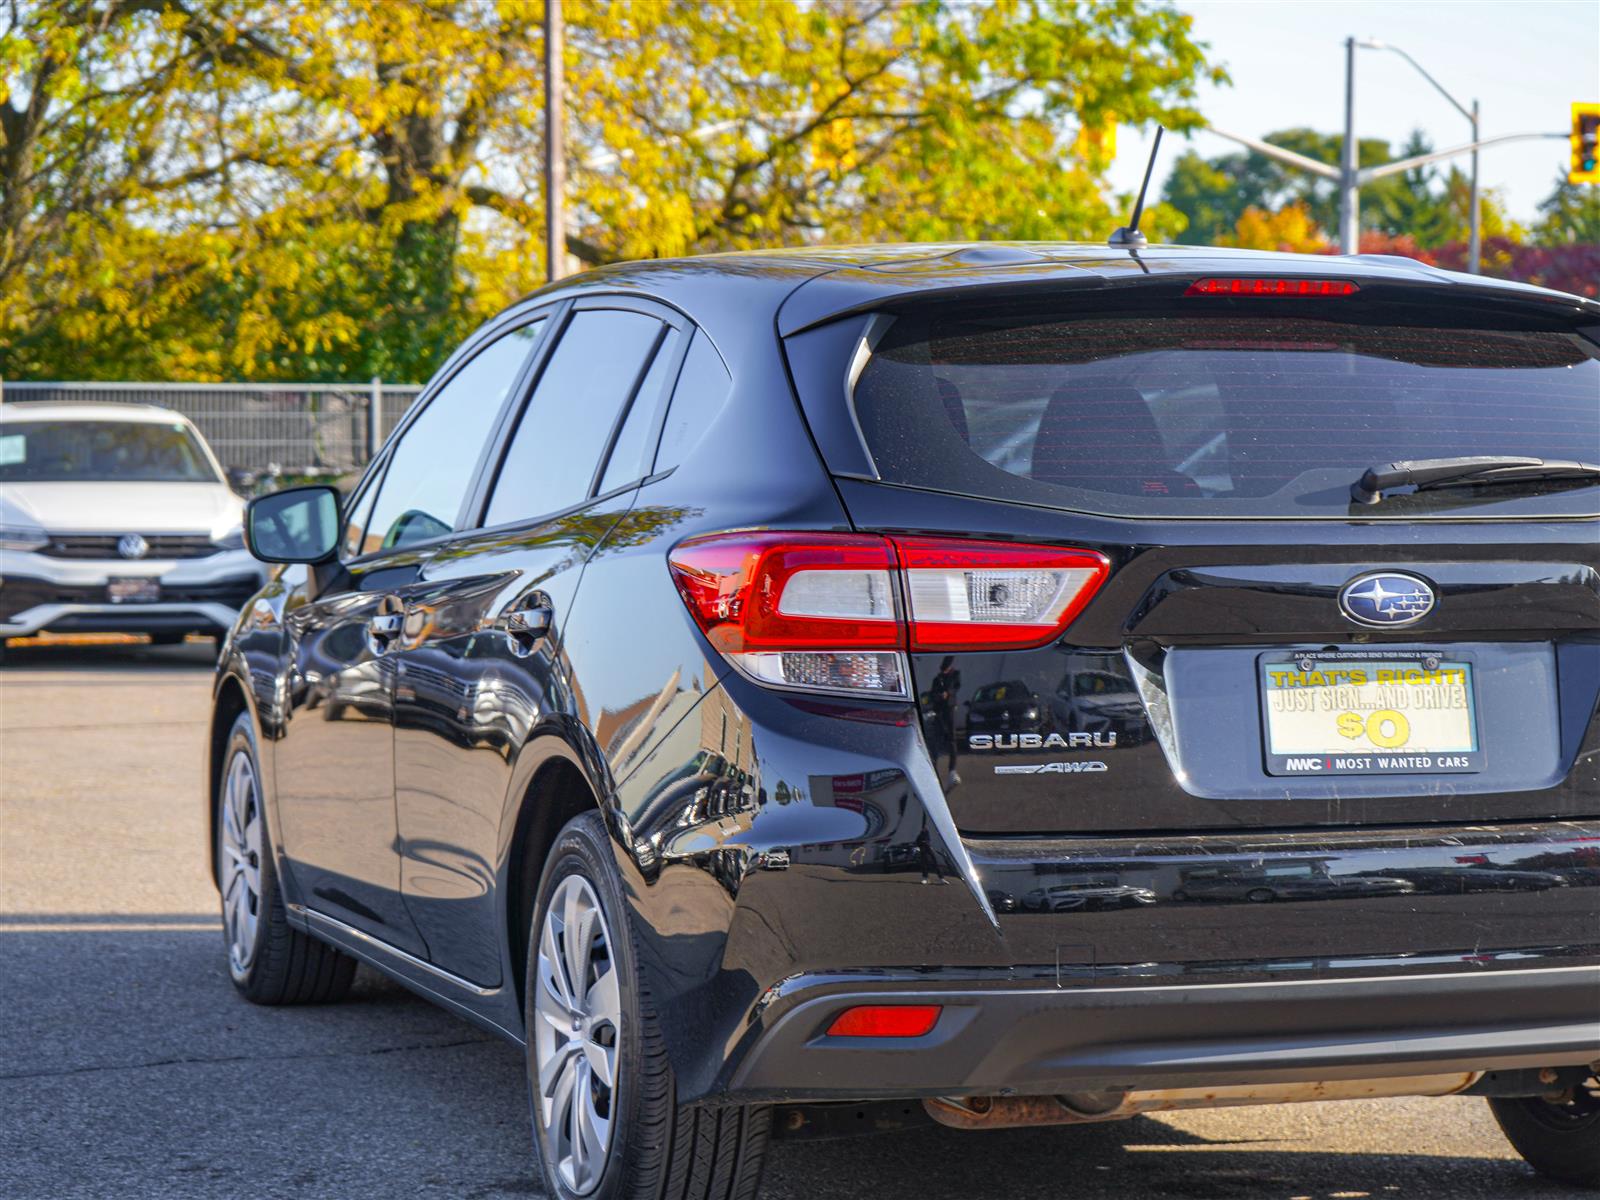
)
(133, 589)
(1416, 732)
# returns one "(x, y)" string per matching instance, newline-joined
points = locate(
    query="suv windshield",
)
(101, 452)
(1175, 414)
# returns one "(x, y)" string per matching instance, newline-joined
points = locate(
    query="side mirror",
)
(297, 525)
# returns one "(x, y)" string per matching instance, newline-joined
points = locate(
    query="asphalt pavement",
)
(129, 1067)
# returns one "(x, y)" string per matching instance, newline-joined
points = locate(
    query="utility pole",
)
(555, 160)
(1349, 186)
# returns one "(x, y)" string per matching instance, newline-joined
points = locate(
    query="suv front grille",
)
(104, 545)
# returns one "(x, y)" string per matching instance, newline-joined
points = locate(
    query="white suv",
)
(116, 518)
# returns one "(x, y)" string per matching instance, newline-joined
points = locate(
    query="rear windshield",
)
(101, 452)
(1223, 415)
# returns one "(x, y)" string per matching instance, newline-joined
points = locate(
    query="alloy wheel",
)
(241, 860)
(577, 1035)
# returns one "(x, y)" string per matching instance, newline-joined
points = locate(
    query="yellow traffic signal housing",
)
(1585, 144)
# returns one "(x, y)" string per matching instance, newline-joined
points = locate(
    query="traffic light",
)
(1585, 144)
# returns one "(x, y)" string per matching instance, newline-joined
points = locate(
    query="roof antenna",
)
(1128, 236)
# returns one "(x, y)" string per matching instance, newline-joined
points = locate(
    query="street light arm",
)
(1367, 174)
(1279, 153)
(1437, 86)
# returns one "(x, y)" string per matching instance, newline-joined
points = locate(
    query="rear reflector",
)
(886, 1021)
(835, 612)
(1271, 287)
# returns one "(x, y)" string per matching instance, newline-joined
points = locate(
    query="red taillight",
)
(815, 611)
(886, 1021)
(833, 612)
(1271, 287)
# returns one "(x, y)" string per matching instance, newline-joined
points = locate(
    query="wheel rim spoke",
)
(575, 1035)
(241, 846)
(593, 1133)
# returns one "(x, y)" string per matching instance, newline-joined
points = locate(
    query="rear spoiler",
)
(986, 274)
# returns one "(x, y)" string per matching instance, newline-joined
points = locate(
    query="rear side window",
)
(702, 390)
(1221, 415)
(630, 453)
(591, 374)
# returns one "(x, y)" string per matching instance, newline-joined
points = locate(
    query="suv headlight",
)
(229, 539)
(23, 537)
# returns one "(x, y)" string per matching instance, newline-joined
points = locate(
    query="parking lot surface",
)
(130, 1068)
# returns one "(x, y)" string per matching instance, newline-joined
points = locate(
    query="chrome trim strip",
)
(379, 946)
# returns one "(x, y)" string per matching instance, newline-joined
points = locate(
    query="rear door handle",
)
(531, 622)
(526, 627)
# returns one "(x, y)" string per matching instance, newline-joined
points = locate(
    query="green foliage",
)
(268, 189)
(1571, 215)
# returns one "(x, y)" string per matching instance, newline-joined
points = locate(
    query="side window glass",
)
(629, 458)
(702, 390)
(431, 466)
(590, 375)
(356, 518)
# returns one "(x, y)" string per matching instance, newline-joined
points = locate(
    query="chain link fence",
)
(266, 430)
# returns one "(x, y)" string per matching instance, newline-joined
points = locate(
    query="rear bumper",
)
(1049, 1041)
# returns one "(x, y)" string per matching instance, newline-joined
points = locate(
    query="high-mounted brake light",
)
(1271, 287)
(886, 1021)
(835, 612)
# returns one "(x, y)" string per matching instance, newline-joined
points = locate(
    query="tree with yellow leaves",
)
(1290, 228)
(308, 188)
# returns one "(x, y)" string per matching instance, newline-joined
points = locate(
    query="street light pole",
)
(1349, 187)
(1475, 239)
(1475, 218)
(555, 155)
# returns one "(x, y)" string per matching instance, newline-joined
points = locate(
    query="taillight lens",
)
(994, 595)
(811, 610)
(834, 612)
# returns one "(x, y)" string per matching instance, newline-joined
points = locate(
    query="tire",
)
(269, 960)
(1561, 1141)
(652, 1147)
(167, 638)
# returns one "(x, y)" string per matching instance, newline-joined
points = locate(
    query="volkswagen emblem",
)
(131, 545)
(1385, 599)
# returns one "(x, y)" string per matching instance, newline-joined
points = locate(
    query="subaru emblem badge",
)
(1386, 599)
(131, 545)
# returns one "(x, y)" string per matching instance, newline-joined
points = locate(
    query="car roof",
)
(89, 410)
(807, 285)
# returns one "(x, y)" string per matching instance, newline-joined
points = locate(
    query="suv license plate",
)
(133, 591)
(1369, 716)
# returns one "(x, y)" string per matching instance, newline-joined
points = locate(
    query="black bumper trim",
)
(1042, 1041)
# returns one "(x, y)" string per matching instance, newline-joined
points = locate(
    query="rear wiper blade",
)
(1423, 473)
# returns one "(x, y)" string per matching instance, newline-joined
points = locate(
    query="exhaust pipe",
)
(1010, 1112)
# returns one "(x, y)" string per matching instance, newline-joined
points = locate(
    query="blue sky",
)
(1525, 62)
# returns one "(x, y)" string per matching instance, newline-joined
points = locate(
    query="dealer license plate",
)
(133, 591)
(1369, 716)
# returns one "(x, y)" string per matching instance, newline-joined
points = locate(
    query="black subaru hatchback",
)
(1030, 684)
